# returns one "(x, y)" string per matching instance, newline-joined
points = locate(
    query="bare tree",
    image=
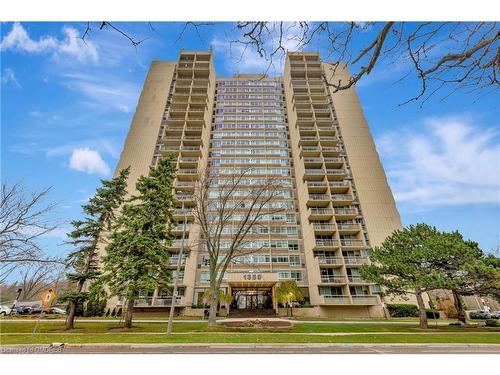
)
(24, 218)
(453, 55)
(444, 56)
(228, 209)
(35, 277)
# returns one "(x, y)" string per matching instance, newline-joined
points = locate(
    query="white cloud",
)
(8, 76)
(104, 90)
(454, 161)
(89, 161)
(71, 45)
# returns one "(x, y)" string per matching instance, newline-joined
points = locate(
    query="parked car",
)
(57, 310)
(37, 309)
(22, 310)
(495, 315)
(4, 310)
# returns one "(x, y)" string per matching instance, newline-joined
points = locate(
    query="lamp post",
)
(176, 280)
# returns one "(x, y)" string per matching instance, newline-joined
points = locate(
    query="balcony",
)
(355, 261)
(314, 174)
(191, 151)
(156, 302)
(316, 186)
(184, 185)
(308, 140)
(309, 151)
(356, 279)
(335, 261)
(320, 213)
(178, 229)
(180, 213)
(324, 244)
(352, 243)
(331, 151)
(334, 162)
(341, 199)
(318, 200)
(349, 228)
(331, 279)
(336, 174)
(322, 228)
(346, 213)
(365, 300)
(339, 186)
(313, 162)
(336, 300)
(188, 162)
(187, 172)
(185, 198)
(169, 149)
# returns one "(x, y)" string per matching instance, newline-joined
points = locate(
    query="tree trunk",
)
(421, 309)
(459, 306)
(70, 319)
(129, 313)
(212, 316)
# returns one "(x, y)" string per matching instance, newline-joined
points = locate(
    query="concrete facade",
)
(336, 197)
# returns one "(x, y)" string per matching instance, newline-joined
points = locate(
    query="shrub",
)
(197, 306)
(113, 313)
(402, 310)
(492, 323)
(119, 312)
(432, 314)
(107, 312)
(479, 315)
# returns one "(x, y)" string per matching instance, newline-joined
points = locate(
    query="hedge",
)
(402, 310)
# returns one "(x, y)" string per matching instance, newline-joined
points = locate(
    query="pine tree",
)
(87, 235)
(137, 256)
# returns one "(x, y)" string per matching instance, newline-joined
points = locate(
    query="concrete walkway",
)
(293, 321)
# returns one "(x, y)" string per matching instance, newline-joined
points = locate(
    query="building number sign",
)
(252, 276)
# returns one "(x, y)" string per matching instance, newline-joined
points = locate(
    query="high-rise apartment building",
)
(335, 201)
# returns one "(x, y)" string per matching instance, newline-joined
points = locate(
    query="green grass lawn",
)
(114, 327)
(472, 338)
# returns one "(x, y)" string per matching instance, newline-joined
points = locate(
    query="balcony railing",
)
(314, 171)
(357, 279)
(319, 197)
(167, 301)
(321, 226)
(326, 243)
(336, 300)
(349, 227)
(355, 260)
(354, 242)
(365, 300)
(330, 260)
(333, 279)
(321, 211)
(342, 197)
(346, 211)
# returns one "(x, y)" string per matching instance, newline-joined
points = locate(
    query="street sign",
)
(47, 297)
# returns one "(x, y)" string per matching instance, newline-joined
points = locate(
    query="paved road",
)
(255, 349)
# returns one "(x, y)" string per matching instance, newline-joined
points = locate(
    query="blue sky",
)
(66, 107)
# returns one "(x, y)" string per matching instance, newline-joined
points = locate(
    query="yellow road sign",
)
(48, 296)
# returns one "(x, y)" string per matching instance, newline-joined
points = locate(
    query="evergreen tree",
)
(137, 256)
(408, 262)
(87, 236)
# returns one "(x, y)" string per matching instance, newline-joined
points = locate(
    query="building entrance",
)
(252, 298)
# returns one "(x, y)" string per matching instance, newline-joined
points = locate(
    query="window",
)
(290, 275)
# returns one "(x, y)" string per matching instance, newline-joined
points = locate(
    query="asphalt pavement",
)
(253, 349)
